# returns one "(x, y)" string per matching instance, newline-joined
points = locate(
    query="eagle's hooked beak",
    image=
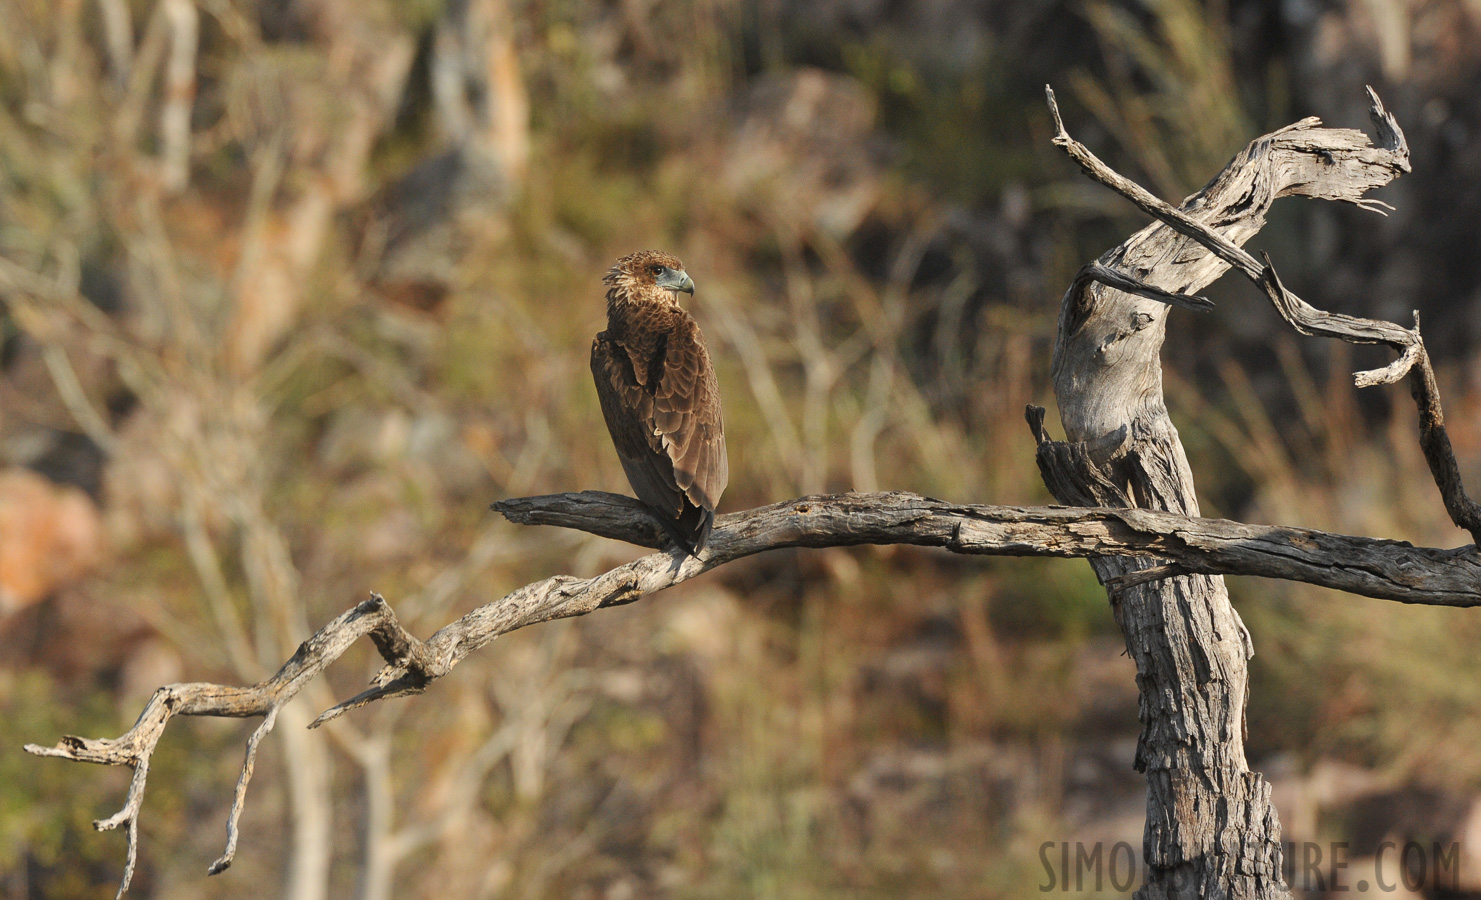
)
(676, 280)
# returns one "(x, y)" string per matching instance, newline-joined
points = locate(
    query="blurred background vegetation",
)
(291, 289)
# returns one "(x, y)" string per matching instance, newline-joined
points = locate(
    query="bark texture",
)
(1211, 829)
(1377, 568)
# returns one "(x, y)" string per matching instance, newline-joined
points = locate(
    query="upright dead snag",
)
(1211, 829)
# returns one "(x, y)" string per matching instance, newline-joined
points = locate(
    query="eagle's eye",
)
(656, 270)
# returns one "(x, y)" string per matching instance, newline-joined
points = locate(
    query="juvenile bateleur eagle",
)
(659, 396)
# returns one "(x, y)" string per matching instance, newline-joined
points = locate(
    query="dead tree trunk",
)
(1211, 829)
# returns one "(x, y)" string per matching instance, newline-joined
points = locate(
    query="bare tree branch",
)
(1376, 568)
(134, 748)
(239, 797)
(1099, 273)
(1373, 567)
(1347, 183)
(1435, 442)
(1335, 144)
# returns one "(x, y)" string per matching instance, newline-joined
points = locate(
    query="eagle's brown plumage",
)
(659, 396)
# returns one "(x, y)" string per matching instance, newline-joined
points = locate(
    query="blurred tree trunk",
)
(118, 38)
(179, 94)
(370, 60)
(451, 206)
(310, 788)
(478, 89)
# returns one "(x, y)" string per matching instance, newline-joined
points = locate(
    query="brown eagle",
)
(659, 396)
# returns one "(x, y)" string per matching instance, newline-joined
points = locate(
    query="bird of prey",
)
(659, 396)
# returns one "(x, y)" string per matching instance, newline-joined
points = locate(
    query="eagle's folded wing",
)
(664, 416)
(686, 412)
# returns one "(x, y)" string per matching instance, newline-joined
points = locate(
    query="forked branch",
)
(135, 747)
(1375, 568)
(1348, 183)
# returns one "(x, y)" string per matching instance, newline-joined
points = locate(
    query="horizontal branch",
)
(1372, 567)
(1098, 273)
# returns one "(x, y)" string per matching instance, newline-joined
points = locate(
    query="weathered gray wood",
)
(1344, 183)
(1435, 442)
(1376, 568)
(1372, 567)
(1211, 829)
(372, 618)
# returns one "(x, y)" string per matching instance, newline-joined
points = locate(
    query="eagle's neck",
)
(631, 307)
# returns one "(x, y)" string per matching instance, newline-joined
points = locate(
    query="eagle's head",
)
(647, 275)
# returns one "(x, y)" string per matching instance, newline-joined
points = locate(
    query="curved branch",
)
(134, 748)
(1096, 272)
(1351, 166)
(1354, 167)
(1376, 568)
